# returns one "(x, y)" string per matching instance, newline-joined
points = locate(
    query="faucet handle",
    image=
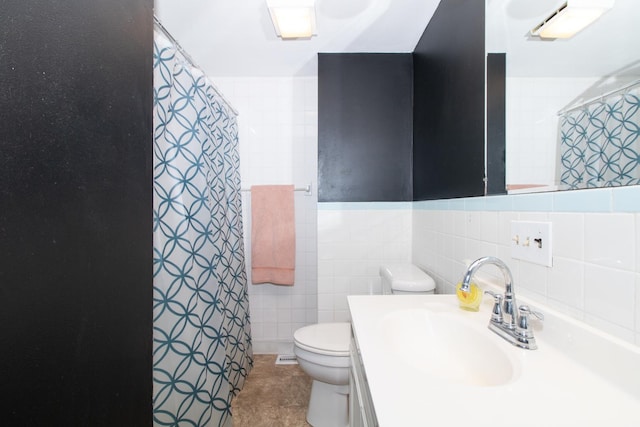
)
(523, 329)
(493, 294)
(496, 312)
(524, 309)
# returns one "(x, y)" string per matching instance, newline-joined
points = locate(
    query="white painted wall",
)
(596, 272)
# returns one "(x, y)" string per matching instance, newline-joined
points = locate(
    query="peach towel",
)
(273, 234)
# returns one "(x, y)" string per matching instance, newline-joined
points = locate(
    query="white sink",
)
(429, 363)
(446, 347)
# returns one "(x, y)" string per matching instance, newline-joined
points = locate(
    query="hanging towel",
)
(273, 235)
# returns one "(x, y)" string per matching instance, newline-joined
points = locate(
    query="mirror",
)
(545, 77)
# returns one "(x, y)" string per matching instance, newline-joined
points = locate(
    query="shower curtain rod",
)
(188, 57)
(595, 98)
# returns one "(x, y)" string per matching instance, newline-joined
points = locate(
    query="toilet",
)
(399, 279)
(322, 350)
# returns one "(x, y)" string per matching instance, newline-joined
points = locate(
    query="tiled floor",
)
(273, 395)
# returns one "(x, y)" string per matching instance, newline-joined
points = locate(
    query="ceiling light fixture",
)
(570, 18)
(293, 19)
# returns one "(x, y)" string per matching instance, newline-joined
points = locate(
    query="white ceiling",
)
(604, 48)
(236, 37)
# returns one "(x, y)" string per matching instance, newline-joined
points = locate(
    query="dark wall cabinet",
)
(364, 127)
(448, 140)
(383, 138)
(76, 259)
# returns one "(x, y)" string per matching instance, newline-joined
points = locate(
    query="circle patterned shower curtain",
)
(202, 335)
(600, 142)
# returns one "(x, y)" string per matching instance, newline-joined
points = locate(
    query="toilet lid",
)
(325, 338)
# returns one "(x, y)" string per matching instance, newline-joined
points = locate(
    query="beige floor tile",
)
(273, 395)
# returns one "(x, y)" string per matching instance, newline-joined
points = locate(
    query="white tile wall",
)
(277, 126)
(596, 271)
(601, 288)
(353, 241)
(600, 246)
(595, 275)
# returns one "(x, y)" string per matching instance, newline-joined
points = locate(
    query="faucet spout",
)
(509, 322)
(510, 309)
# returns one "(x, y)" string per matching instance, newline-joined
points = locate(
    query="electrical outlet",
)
(531, 241)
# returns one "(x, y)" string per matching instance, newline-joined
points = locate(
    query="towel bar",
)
(306, 189)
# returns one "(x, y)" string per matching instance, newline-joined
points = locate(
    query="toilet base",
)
(328, 405)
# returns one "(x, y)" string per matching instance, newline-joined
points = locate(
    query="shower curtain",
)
(202, 336)
(600, 142)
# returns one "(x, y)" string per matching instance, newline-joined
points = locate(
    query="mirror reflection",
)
(592, 72)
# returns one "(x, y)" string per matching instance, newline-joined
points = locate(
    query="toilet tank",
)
(405, 279)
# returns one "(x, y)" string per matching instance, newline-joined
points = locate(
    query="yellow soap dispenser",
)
(471, 300)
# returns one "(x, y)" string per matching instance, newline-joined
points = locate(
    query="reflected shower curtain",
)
(202, 339)
(600, 142)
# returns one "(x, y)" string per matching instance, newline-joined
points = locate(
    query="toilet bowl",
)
(322, 351)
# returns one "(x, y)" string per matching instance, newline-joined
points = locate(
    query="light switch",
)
(531, 241)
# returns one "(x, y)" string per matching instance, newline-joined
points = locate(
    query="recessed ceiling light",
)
(570, 18)
(293, 19)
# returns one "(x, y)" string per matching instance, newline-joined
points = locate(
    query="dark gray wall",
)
(364, 127)
(449, 102)
(76, 212)
(496, 123)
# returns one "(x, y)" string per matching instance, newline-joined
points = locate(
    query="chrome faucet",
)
(507, 320)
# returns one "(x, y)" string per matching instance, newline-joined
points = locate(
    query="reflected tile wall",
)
(532, 125)
(532, 122)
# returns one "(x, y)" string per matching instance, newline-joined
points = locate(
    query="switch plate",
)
(531, 241)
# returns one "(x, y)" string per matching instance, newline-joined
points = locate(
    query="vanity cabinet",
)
(361, 410)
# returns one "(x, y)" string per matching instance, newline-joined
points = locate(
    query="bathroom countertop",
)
(578, 376)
